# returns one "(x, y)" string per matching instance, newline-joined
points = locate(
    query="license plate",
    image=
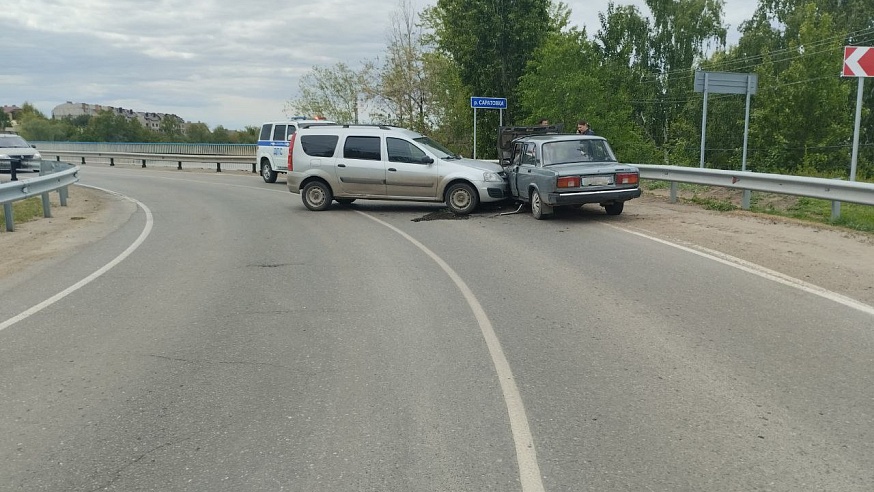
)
(597, 181)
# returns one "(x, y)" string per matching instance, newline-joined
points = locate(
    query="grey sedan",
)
(553, 170)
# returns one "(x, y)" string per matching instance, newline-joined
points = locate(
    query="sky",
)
(232, 63)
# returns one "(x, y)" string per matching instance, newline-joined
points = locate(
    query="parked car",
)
(344, 163)
(15, 150)
(272, 153)
(557, 170)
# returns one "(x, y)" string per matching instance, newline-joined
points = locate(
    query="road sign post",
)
(858, 62)
(499, 103)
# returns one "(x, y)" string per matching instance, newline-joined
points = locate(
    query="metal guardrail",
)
(53, 176)
(827, 189)
(150, 148)
(145, 158)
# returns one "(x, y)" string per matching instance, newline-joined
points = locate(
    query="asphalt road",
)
(241, 342)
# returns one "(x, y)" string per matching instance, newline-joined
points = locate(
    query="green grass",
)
(24, 210)
(713, 204)
(853, 216)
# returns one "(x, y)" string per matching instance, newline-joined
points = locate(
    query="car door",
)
(360, 169)
(524, 154)
(410, 172)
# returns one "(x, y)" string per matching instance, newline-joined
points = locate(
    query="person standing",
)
(543, 122)
(583, 128)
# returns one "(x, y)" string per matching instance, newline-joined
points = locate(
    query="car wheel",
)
(316, 195)
(539, 210)
(461, 198)
(614, 208)
(345, 201)
(267, 172)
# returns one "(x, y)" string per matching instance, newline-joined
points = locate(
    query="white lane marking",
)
(759, 270)
(105, 268)
(526, 454)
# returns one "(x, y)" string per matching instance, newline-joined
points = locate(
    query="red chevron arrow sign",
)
(858, 61)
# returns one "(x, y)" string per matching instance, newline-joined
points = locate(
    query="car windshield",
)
(12, 141)
(583, 150)
(436, 148)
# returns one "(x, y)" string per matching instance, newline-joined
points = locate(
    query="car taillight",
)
(290, 149)
(627, 178)
(568, 182)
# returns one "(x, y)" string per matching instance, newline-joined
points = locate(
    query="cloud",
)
(222, 62)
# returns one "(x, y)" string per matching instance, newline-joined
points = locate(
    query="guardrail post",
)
(836, 210)
(62, 196)
(12, 165)
(745, 200)
(144, 163)
(46, 205)
(674, 191)
(10, 223)
(83, 160)
(179, 165)
(218, 167)
(111, 161)
(253, 167)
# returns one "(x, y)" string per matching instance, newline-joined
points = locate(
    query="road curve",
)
(249, 344)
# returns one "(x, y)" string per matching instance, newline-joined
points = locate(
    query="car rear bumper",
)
(581, 197)
(294, 180)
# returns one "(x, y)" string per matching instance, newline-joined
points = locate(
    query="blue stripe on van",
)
(272, 143)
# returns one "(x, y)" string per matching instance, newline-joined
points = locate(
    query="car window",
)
(291, 130)
(528, 154)
(279, 132)
(567, 151)
(362, 148)
(517, 155)
(435, 147)
(403, 151)
(265, 132)
(319, 145)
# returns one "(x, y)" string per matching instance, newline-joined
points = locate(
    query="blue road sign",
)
(488, 102)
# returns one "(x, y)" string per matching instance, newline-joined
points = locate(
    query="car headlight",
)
(491, 177)
(37, 157)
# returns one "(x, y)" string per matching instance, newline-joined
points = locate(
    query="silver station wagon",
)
(556, 170)
(344, 163)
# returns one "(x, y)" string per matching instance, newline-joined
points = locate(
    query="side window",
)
(517, 155)
(403, 151)
(528, 154)
(319, 145)
(362, 148)
(279, 132)
(291, 130)
(265, 132)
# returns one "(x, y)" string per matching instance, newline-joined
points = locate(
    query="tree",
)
(198, 133)
(490, 42)
(171, 128)
(338, 93)
(568, 79)
(401, 95)
(111, 126)
(5, 120)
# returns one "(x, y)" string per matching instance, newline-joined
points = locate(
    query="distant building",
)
(151, 121)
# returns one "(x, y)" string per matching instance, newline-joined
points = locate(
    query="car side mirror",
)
(426, 160)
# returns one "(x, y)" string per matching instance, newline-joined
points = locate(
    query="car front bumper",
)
(492, 191)
(582, 197)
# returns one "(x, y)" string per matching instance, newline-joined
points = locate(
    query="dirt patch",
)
(89, 215)
(440, 215)
(830, 257)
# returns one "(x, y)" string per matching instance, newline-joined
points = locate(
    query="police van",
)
(272, 154)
